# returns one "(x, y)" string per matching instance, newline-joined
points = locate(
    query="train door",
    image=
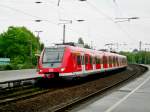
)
(79, 67)
(97, 64)
(83, 62)
(105, 62)
(110, 61)
(101, 62)
(86, 62)
(94, 63)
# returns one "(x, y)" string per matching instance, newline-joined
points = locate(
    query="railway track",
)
(13, 94)
(67, 106)
(22, 94)
(61, 98)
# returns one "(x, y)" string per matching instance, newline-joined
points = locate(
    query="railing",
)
(17, 83)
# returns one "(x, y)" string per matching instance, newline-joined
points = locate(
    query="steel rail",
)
(16, 82)
(64, 107)
(13, 99)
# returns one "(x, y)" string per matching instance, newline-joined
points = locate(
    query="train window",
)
(90, 59)
(98, 60)
(52, 57)
(114, 60)
(101, 61)
(104, 60)
(110, 60)
(83, 60)
(78, 60)
(117, 61)
(86, 59)
(94, 60)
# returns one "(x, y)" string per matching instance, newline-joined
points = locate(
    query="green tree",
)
(20, 45)
(80, 41)
(139, 57)
(87, 46)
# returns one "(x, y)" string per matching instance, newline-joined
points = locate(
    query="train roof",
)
(85, 50)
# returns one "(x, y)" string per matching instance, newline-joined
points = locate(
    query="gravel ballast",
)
(48, 101)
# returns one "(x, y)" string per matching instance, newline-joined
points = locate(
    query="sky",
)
(99, 28)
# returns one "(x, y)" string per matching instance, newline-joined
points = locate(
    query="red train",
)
(70, 62)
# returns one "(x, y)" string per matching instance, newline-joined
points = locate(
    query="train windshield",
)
(53, 57)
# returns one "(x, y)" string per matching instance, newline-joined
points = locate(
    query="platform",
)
(12, 75)
(132, 97)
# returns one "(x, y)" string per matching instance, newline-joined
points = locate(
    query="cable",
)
(109, 18)
(25, 13)
(59, 11)
(99, 11)
(118, 8)
(36, 17)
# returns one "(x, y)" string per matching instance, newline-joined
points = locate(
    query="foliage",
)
(20, 45)
(80, 41)
(87, 46)
(141, 57)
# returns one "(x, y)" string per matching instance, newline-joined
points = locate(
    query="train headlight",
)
(41, 70)
(62, 69)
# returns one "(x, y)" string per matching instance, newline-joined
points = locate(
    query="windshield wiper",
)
(52, 61)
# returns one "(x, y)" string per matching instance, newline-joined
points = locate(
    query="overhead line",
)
(109, 18)
(25, 13)
(99, 11)
(116, 4)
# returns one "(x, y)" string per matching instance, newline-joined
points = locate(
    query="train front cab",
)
(51, 62)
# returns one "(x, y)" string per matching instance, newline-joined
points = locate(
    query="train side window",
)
(78, 60)
(114, 60)
(117, 60)
(90, 59)
(110, 60)
(104, 60)
(101, 60)
(94, 61)
(86, 59)
(98, 60)
(83, 60)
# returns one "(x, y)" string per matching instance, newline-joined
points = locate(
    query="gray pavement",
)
(17, 74)
(133, 97)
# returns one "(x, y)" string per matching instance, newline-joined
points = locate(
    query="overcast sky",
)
(99, 28)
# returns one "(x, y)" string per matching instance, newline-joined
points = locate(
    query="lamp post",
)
(125, 19)
(38, 2)
(146, 53)
(109, 46)
(65, 21)
(38, 33)
(59, 2)
(64, 26)
(38, 41)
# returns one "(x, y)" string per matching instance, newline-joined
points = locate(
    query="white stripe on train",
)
(85, 73)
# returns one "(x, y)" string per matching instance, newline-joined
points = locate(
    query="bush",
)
(2, 67)
(6, 67)
(16, 67)
(27, 66)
